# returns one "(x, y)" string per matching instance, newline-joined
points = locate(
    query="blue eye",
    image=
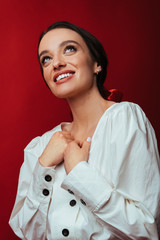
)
(45, 60)
(69, 49)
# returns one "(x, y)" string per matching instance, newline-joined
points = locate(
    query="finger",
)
(65, 133)
(69, 138)
(61, 134)
(86, 144)
(68, 134)
(89, 139)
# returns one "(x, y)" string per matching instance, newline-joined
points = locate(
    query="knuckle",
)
(56, 134)
(65, 145)
(68, 146)
(60, 134)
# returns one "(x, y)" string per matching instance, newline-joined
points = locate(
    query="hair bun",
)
(115, 95)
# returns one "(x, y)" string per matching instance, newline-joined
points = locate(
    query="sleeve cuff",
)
(88, 185)
(40, 189)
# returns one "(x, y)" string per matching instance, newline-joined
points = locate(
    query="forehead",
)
(56, 36)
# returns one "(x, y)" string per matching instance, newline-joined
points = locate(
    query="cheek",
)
(87, 67)
(47, 74)
(83, 63)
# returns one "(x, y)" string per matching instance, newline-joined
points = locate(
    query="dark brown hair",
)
(97, 54)
(96, 50)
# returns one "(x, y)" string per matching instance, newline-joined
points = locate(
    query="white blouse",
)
(112, 196)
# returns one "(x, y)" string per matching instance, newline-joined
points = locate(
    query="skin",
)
(59, 54)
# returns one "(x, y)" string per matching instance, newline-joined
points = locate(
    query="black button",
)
(82, 202)
(48, 178)
(72, 203)
(70, 191)
(65, 232)
(45, 192)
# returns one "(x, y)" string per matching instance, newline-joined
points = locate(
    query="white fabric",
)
(120, 185)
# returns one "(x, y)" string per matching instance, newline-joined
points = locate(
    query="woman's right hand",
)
(54, 151)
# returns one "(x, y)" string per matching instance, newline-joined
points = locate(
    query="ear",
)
(97, 68)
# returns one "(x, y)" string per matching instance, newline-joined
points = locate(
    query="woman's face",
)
(66, 63)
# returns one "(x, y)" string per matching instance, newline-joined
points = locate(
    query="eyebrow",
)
(61, 45)
(68, 41)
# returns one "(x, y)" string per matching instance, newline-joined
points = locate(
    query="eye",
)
(45, 59)
(70, 48)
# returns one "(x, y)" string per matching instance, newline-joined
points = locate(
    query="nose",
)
(58, 63)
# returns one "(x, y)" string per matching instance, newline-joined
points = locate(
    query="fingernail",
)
(89, 139)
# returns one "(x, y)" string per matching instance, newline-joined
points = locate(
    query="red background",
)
(130, 33)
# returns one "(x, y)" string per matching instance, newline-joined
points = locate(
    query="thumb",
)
(86, 144)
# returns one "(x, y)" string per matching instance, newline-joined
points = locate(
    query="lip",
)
(62, 72)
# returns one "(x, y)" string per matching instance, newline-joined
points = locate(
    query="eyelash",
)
(44, 58)
(69, 47)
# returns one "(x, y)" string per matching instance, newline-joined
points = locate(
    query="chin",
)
(70, 92)
(63, 94)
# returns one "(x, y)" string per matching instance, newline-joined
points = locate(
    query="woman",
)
(98, 176)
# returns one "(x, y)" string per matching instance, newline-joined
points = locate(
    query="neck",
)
(87, 109)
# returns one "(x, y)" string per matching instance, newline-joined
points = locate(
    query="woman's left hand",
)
(76, 152)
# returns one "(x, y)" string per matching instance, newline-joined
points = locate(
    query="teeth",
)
(63, 76)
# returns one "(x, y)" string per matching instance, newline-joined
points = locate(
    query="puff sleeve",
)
(29, 215)
(123, 188)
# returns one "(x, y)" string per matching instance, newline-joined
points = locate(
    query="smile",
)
(63, 75)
